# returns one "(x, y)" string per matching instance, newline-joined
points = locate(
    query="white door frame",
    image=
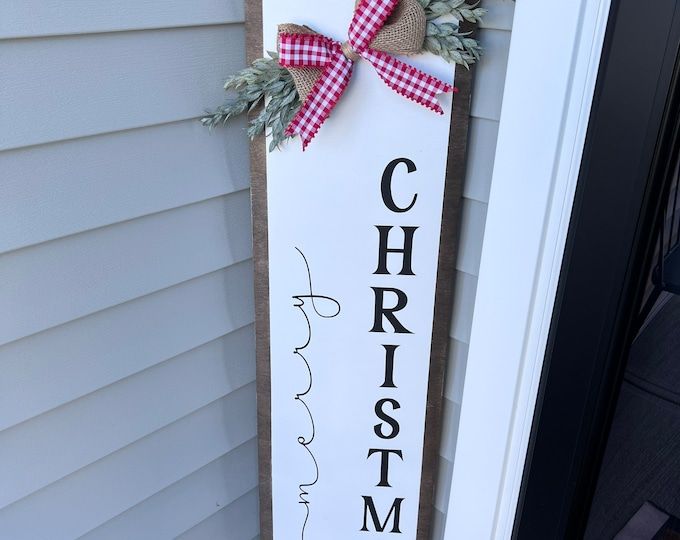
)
(552, 69)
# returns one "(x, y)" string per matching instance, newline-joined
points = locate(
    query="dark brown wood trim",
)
(446, 281)
(258, 193)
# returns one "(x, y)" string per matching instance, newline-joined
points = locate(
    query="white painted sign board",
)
(351, 320)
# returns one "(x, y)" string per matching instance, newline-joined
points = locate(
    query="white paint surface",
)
(538, 156)
(326, 201)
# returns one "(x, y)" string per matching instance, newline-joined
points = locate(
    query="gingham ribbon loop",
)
(317, 51)
(368, 19)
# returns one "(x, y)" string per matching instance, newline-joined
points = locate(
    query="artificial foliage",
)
(445, 40)
(460, 9)
(265, 78)
(266, 83)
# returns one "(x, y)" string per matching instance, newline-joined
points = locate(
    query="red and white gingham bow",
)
(317, 51)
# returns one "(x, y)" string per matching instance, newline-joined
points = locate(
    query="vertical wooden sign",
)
(354, 245)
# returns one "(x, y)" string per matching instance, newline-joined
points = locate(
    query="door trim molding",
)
(552, 71)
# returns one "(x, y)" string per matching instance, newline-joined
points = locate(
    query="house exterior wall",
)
(127, 404)
(126, 336)
(487, 98)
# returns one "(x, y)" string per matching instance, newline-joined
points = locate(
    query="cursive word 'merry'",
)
(317, 302)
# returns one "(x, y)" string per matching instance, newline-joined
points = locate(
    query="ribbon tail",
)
(325, 94)
(408, 81)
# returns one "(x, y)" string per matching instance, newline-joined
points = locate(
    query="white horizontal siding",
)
(73, 86)
(438, 522)
(471, 236)
(487, 100)
(32, 18)
(87, 183)
(188, 502)
(463, 306)
(85, 430)
(232, 519)
(127, 405)
(98, 492)
(55, 282)
(458, 352)
(51, 368)
(487, 96)
(481, 149)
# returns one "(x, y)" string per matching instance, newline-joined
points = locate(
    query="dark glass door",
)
(607, 294)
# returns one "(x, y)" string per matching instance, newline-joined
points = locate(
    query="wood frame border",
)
(446, 271)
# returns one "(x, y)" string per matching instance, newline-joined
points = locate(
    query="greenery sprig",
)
(265, 78)
(456, 47)
(444, 38)
(461, 10)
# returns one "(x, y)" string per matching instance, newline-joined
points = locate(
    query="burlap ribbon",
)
(403, 33)
(322, 67)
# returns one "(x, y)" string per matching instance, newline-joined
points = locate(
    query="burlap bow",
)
(321, 67)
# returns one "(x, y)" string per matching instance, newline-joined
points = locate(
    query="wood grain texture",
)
(54, 367)
(59, 189)
(189, 501)
(33, 18)
(78, 503)
(73, 86)
(258, 179)
(56, 282)
(444, 292)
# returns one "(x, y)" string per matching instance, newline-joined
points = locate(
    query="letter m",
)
(369, 507)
